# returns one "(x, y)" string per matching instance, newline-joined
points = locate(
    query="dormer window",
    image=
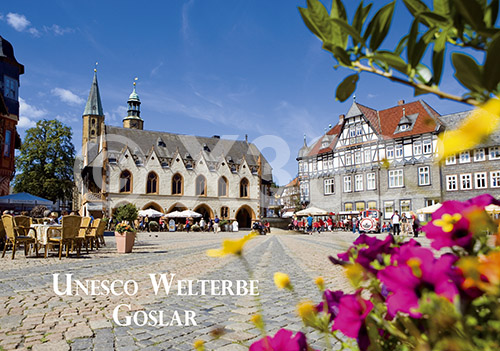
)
(161, 143)
(404, 127)
(11, 88)
(324, 144)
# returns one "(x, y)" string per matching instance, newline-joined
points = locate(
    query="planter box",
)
(124, 242)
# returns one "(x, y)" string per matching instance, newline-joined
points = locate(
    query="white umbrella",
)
(429, 209)
(175, 214)
(313, 211)
(189, 213)
(287, 214)
(492, 208)
(150, 213)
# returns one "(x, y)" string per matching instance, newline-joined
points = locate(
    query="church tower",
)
(93, 115)
(133, 119)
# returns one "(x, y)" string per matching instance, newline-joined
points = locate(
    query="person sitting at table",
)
(53, 217)
(64, 213)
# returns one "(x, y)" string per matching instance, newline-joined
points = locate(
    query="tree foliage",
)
(128, 212)
(45, 163)
(462, 24)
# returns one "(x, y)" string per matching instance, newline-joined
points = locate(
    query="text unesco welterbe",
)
(162, 284)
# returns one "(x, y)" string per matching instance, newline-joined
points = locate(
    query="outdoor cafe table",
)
(43, 232)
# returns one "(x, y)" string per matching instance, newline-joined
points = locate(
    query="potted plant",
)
(125, 237)
(124, 232)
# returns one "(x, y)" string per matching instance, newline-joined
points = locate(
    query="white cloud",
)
(28, 114)
(67, 96)
(21, 23)
(25, 123)
(185, 30)
(116, 114)
(17, 21)
(57, 30)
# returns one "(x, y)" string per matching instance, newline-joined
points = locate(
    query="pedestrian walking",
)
(216, 224)
(396, 218)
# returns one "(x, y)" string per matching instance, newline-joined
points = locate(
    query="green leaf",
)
(379, 25)
(360, 16)
(442, 7)
(438, 56)
(316, 19)
(340, 38)
(491, 70)
(306, 17)
(416, 7)
(471, 11)
(338, 10)
(402, 45)
(393, 60)
(342, 56)
(350, 30)
(347, 87)
(435, 19)
(467, 71)
(491, 14)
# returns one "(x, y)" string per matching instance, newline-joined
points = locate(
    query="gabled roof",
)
(94, 104)
(317, 148)
(425, 119)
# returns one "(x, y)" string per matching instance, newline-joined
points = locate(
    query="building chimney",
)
(341, 119)
(401, 102)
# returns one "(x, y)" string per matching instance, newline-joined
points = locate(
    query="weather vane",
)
(95, 68)
(135, 80)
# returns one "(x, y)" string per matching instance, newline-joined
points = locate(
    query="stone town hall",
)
(165, 171)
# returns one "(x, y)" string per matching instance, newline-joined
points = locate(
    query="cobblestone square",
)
(33, 316)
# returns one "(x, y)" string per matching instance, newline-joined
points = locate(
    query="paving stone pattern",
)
(33, 317)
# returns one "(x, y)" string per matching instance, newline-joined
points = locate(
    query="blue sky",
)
(205, 67)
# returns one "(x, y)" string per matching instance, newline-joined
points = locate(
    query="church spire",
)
(133, 119)
(94, 104)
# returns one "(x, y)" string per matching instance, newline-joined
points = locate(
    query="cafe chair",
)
(94, 229)
(83, 233)
(69, 230)
(16, 235)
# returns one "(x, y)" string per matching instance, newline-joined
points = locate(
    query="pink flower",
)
(282, 341)
(417, 270)
(332, 299)
(451, 223)
(350, 320)
(365, 250)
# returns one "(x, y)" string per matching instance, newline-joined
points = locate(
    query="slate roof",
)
(452, 121)
(142, 142)
(7, 54)
(94, 104)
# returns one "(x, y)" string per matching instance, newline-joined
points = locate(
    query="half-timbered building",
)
(374, 159)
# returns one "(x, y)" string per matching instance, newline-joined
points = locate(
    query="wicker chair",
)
(100, 232)
(92, 236)
(16, 235)
(69, 230)
(84, 232)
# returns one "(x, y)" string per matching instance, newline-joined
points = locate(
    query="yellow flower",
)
(234, 247)
(447, 221)
(473, 130)
(307, 311)
(199, 345)
(282, 280)
(320, 282)
(257, 320)
(415, 263)
(354, 273)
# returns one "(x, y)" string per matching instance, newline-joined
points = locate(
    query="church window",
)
(125, 182)
(222, 189)
(244, 188)
(152, 183)
(201, 186)
(177, 184)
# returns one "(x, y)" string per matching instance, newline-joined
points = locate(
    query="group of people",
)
(399, 224)
(188, 224)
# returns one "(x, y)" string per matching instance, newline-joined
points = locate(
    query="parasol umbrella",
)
(150, 213)
(313, 211)
(175, 214)
(189, 213)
